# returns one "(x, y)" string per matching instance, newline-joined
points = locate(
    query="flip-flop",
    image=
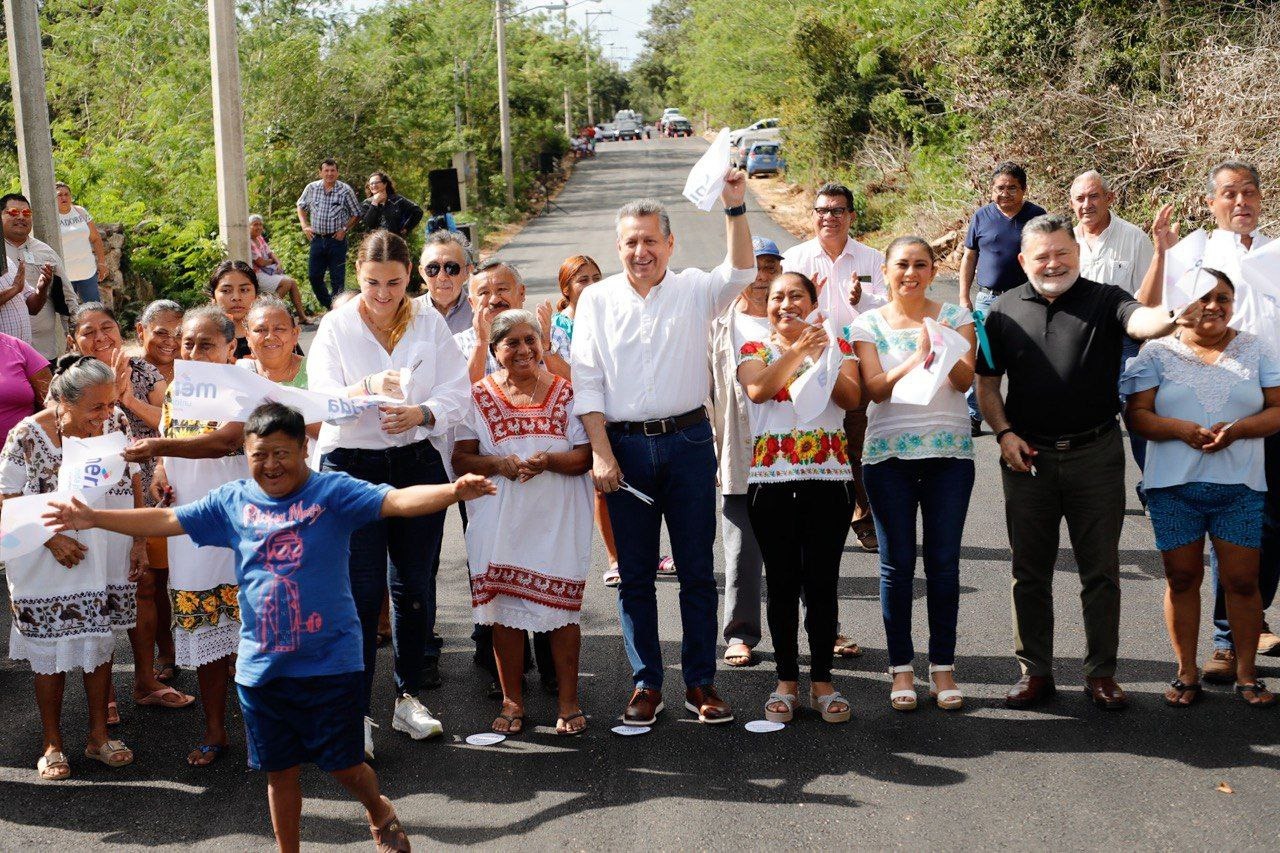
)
(158, 699)
(1179, 689)
(113, 753)
(847, 648)
(562, 725)
(159, 669)
(511, 719)
(214, 749)
(53, 767)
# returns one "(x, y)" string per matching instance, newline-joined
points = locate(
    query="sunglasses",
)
(19, 212)
(433, 269)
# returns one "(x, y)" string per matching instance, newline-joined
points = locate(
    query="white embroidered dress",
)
(65, 619)
(529, 545)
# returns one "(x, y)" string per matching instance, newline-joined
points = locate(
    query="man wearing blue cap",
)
(744, 320)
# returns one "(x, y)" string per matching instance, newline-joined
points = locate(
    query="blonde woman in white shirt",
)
(916, 458)
(383, 343)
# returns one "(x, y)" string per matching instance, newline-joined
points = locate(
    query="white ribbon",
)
(707, 178)
(922, 383)
(222, 392)
(811, 391)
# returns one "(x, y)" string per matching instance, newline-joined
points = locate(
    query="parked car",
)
(763, 159)
(629, 129)
(738, 152)
(735, 136)
(608, 133)
(679, 126)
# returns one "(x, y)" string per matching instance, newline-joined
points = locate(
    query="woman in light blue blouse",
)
(1205, 398)
(916, 458)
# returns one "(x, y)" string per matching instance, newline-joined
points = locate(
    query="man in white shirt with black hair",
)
(1112, 251)
(640, 353)
(1233, 193)
(850, 278)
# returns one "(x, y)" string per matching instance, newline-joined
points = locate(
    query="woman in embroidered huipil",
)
(71, 594)
(529, 545)
(1206, 397)
(798, 490)
(916, 458)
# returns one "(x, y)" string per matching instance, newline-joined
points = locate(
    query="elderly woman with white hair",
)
(271, 277)
(529, 545)
(71, 595)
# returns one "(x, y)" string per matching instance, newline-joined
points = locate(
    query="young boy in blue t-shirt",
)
(301, 664)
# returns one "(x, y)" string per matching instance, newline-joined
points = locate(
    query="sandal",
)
(847, 648)
(787, 699)
(113, 753)
(166, 697)
(1178, 689)
(512, 720)
(823, 704)
(948, 700)
(113, 713)
(743, 658)
(562, 724)
(213, 749)
(164, 671)
(611, 577)
(53, 767)
(390, 837)
(1262, 697)
(903, 700)
(666, 567)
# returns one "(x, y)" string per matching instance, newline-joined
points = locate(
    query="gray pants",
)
(1086, 487)
(742, 570)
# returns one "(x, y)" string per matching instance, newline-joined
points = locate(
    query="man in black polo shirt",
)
(1058, 338)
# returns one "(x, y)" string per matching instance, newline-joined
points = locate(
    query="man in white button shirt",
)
(1116, 252)
(1234, 195)
(640, 352)
(851, 278)
(48, 328)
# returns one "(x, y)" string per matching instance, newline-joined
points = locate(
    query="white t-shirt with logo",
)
(77, 251)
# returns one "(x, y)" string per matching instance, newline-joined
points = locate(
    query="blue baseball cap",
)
(765, 246)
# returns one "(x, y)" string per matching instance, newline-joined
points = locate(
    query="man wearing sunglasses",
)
(34, 313)
(446, 268)
(850, 276)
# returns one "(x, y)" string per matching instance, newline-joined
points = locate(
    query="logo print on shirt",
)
(280, 623)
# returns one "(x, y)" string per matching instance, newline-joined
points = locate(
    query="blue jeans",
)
(413, 545)
(939, 489)
(327, 255)
(678, 471)
(87, 289)
(1137, 444)
(982, 301)
(1269, 561)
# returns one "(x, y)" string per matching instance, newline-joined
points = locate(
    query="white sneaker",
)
(369, 726)
(414, 719)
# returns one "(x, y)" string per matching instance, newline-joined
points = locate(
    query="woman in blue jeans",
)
(916, 457)
(383, 343)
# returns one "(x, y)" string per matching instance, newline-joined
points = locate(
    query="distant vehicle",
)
(738, 150)
(678, 125)
(609, 132)
(763, 159)
(735, 136)
(629, 128)
(670, 111)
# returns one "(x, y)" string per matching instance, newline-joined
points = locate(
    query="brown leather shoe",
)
(707, 704)
(644, 707)
(1106, 693)
(1030, 690)
(1221, 668)
(1268, 643)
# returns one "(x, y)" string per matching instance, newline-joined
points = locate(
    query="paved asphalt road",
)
(1064, 777)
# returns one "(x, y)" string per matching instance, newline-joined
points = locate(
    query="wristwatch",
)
(427, 418)
(736, 211)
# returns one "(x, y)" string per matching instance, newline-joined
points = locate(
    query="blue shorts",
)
(317, 719)
(1183, 514)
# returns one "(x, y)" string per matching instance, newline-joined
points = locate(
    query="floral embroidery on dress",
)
(61, 616)
(507, 421)
(519, 582)
(195, 608)
(930, 445)
(800, 447)
(764, 353)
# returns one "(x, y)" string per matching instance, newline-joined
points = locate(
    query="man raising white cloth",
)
(640, 349)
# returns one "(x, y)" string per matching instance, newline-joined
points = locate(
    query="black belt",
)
(390, 455)
(330, 234)
(661, 426)
(1074, 440)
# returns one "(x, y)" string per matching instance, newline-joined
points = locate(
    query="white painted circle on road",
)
(486, 739)
(762, 726)
(630, 731)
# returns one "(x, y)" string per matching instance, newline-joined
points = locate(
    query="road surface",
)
(1064, 776)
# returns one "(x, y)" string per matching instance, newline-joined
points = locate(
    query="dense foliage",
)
(400, 88)
(913, 101)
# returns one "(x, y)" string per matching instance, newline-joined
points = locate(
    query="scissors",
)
(627, 487)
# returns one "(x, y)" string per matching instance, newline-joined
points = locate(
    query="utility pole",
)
(228, 131)
(31, 113)
(504, 110)
(586, 31)
(564, 37)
